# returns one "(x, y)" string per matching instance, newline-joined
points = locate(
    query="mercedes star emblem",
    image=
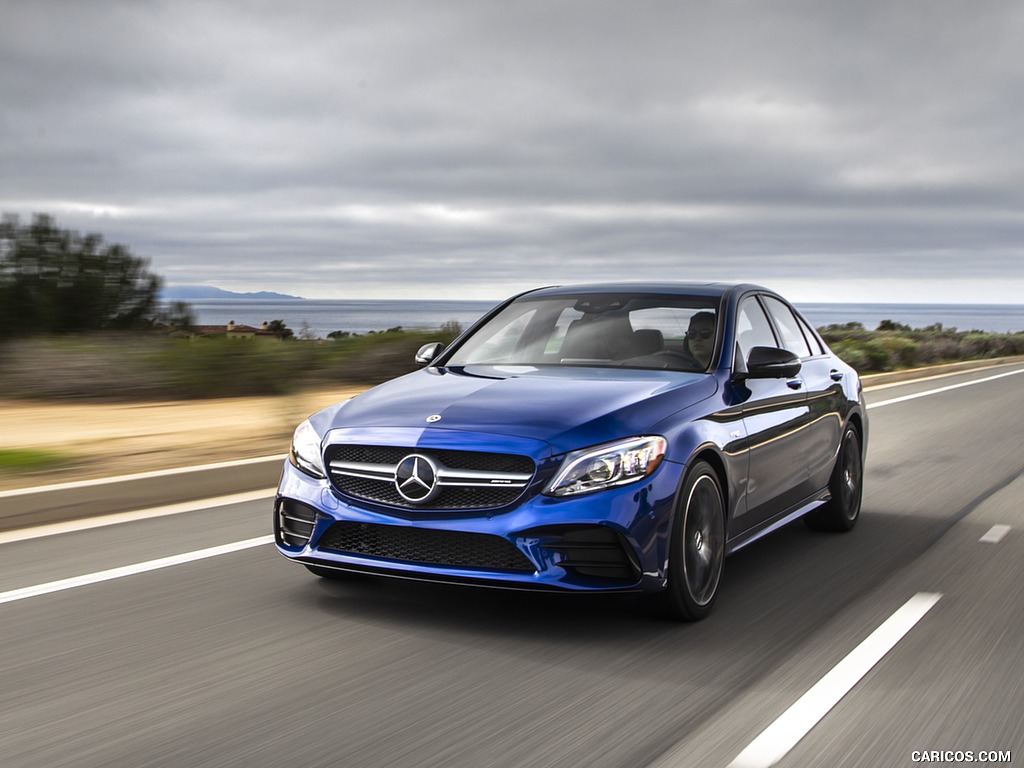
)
(416, 478)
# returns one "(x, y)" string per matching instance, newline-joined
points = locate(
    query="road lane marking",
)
(782, 735)
(944, 389)
(130, 570)
(995, 534)
(77, 484)
(100, 521)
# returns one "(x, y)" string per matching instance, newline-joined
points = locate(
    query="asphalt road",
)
(244, 659)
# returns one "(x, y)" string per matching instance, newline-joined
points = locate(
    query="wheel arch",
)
(709, 455)
(856, 420)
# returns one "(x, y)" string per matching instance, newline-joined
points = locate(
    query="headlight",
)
(607, 466)
(305, 452)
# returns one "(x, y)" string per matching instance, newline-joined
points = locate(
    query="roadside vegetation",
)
(150, 366)
(81, 319)
(26, 460)
(893, 346)
(154, 367)
(55, 280)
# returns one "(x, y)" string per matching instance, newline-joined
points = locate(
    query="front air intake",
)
(423, 546)
(593, 552)
(293, 523)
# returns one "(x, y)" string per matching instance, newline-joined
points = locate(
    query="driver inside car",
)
(700, 338)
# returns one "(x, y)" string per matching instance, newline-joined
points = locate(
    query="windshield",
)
(605, 330)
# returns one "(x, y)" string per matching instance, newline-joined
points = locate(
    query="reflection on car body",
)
(585, 438)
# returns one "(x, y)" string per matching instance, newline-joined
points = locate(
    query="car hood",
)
(567, 408)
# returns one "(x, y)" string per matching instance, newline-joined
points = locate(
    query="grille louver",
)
(295, 523)
(465, 479)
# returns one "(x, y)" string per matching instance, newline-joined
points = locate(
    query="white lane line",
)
(944, 389)
(100, 521)
(995, 534)
(782, 735)
(131, 570)
(138, 476)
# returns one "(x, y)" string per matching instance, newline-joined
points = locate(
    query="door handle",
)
(835, 375)
(794, 383)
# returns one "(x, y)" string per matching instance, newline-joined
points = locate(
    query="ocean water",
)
(322, 316)
(999, 318)
(361, 316)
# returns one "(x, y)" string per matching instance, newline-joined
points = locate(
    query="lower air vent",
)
(453, 549)
(294, 523)
(593, 551)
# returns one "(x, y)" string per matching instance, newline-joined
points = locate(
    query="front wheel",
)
(841, 512)
(697, 549)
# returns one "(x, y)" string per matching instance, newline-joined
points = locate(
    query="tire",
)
(697, 549)
(327, 573)
(841, 512)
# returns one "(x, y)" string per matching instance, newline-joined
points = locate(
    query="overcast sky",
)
(857, 151)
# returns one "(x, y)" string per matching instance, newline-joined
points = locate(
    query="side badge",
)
(434, 418)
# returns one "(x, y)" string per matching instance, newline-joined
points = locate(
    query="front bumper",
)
(613, 540)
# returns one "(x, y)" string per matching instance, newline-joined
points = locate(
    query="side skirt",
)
(787, 517)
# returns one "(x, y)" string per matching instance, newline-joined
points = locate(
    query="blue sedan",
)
(587, 438)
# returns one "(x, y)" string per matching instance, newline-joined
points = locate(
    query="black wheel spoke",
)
(847, 487)
(702, 550)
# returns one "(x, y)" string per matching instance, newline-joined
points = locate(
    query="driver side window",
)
(753, 328)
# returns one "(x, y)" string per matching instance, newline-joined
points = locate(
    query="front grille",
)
(390, 454)
(464, 479)
(294, 522)
(454, 549)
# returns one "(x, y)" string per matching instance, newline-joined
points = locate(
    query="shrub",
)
(133, 367)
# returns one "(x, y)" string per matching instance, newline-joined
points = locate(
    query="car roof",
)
(711, 290)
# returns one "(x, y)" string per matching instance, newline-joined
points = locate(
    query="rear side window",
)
(792, 337)
(812, 339)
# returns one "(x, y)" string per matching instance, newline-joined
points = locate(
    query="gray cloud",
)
(867, 150)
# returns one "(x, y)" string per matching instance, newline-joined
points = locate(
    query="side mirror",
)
(428, 352)
(771, 363)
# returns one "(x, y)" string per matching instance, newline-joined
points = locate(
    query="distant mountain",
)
(199, 292)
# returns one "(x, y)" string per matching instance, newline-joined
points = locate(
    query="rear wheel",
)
(846, 485)
(697, 550)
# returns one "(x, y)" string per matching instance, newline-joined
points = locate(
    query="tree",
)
(279, 329)
(306, 332)
(178, 314)
(891, 325)
(57, 281)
